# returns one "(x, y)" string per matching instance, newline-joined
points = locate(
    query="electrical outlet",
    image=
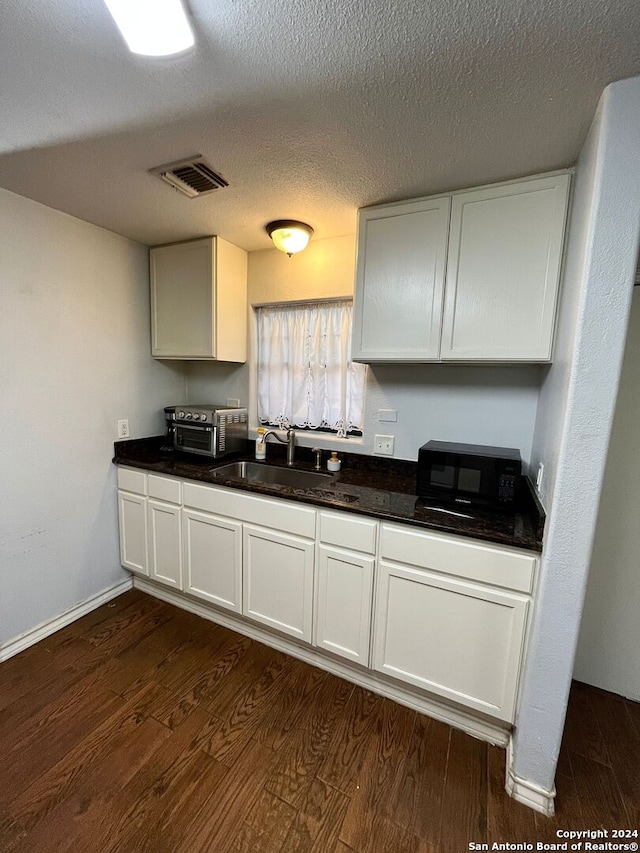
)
(123, 428)
(233, 402)
(383, 445)
(539, 477)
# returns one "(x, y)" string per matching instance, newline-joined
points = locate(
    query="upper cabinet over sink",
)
(467, 276)
(199, 301)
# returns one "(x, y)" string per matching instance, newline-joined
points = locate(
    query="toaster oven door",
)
(195, 439)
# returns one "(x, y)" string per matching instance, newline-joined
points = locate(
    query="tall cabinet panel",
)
(505, 254)
(199, 301)
(278, 580)
(165, 548)
(213, 558)
(399, 281)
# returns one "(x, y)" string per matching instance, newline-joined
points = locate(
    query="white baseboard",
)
(476, 725)
(528, 793)
(45, 629)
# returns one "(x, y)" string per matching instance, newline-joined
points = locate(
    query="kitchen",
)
(76, 359)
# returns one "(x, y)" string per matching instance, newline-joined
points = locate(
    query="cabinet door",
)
(278, 580)
(213, 558)
(343, 604)
(399, 281)
(165, 551)
(503, 271)
(182, 300)
(453, 638)
(132, 515)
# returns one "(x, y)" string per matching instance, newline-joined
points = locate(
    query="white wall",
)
(575, 414)
(609, 647)
(481, 405)
(74, 338)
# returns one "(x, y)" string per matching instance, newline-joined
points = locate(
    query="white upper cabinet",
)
(471, 276)
(503, 270)
(199, 301)
(402, 252)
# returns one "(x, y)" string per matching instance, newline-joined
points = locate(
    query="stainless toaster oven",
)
(207, 429)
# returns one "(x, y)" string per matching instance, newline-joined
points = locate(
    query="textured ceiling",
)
(310, 110)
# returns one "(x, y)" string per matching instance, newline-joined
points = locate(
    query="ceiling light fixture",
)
(152, 27)
(288, 235)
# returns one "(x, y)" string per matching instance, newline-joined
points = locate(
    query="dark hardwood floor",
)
(144, 728)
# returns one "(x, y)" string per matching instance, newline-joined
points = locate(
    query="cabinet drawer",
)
(131, 480)
(467, 559)
(348, 531)
(267, 512)
(165, 489)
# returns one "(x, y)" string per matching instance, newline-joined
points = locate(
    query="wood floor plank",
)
(229, 690)
(582, 733)
(266, 826)
(317, 823)
(128, 812)
(246, 714)
(193, 788)
(11, 833)
(297, 686)
(464, 816)
(18, 674)
(198, 686)
(623, 743)
(225, 813)
(417, 795)
(507, 820)
(76, 820)
(600, 797)
(342, 763)
(298, 761)
(41, 742)
(55, 784)
(389, 746)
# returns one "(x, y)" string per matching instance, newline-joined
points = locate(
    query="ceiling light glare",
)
(152, 27)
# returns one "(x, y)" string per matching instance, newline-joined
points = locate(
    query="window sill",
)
(323, 440)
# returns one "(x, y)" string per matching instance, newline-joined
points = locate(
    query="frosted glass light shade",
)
(289, 236)
(152, 27)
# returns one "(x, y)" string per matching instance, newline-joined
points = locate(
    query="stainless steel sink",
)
(258, 472)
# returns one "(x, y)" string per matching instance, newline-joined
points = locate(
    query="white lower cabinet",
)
(343, 603)
(165, 543)
(213, 558)
(132, 515)
(454, 638)
(278, 580)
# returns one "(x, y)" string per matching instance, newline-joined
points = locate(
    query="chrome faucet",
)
(289, 441)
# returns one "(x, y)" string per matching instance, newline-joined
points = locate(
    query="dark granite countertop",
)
(368, 485)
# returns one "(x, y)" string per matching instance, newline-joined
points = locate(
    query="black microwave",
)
(469, 474)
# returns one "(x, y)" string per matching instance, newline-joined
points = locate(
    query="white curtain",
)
(305, 374)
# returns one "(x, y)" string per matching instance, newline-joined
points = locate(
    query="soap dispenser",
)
(261, 444)
(333, 463)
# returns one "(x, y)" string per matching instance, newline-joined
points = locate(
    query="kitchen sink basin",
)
(258, 472)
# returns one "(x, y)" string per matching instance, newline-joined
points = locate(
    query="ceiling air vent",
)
(193, 177)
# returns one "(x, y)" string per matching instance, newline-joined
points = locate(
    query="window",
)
(306, 378)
